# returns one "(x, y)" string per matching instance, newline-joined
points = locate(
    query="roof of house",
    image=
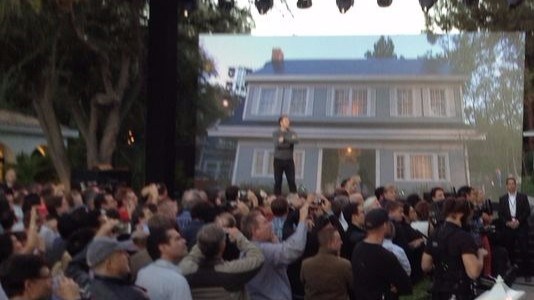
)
(17, 122)
(358, 67)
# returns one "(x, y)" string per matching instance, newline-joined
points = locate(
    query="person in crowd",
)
(339, 202)
(209, 276)
(514, 211)
(162, 279)
(435, 214)
(396, 250)
(226, 220)
(355, 232)
(377, 272)
(127, 200)
(284, 142)
(108, 259)
(201, 213)
(280, 210)
(379, 193)
(421, 224)
(105, 201)
(326, 275)
(189, 199)
(452, 254)
(390, 195)
(272, 281)
(56, 207)
(370, 204)
(10, 180)
(28, 277)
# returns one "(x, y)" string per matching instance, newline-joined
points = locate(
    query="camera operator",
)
(479, 224)
(453, 255)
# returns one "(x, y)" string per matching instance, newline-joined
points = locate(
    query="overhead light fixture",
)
(344, 5)
(470, 2)
(263, 6)
(226, 5)
(384, 3)
(427, 4)
(304, 3)
(514, 3)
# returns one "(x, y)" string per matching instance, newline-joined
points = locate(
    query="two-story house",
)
(388, 120)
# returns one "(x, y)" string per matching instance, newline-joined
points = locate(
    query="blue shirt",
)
(272, 282)
(163, 280)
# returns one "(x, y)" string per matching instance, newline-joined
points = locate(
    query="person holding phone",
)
(284, 141)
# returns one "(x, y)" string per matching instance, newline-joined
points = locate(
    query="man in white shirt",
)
(162, 278)
(514, 211)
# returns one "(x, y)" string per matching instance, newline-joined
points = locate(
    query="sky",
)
(320, 31)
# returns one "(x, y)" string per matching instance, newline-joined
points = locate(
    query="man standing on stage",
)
(284, 140)
(514, 211)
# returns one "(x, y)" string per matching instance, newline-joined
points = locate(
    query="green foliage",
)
(34, 168)
(383, 48)
(496, 16)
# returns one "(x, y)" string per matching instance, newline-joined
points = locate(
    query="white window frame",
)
(266, 163)
(434, 161)
(350, 90)
(308, 99)
(450, 109)
(416, 101)
(276, 106)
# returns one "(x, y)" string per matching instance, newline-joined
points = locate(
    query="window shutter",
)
(426, 102)
(451, 103)
(393, 102)
(418, 102)
(309, 100)
(371, 102)
(330, 101)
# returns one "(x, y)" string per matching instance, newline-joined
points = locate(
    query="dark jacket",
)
(522, 210)
(105, 288)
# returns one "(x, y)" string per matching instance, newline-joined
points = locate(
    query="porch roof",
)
(352, 134)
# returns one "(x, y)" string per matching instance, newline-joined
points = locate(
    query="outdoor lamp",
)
(263, 5)
(384, 3)
(470, 2)
(344, 5)
(304, 3)
(426, 4)
(226, 5)
(514, 3)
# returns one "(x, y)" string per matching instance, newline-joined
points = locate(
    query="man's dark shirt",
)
(351, 238)
(375, 270)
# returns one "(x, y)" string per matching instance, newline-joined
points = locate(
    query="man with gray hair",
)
(209, 276)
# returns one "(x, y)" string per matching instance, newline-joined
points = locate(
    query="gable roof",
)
(15, 122)
(358, 68)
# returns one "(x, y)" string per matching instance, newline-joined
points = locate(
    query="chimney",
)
(277, 59)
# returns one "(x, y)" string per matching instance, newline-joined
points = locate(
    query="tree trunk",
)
(108, 142)
(47, 119)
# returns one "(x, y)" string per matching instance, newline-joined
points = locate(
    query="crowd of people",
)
(115, 243)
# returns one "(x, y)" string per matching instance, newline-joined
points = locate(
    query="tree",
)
(499, 56)
(82, 63)
(383, 48)
(493, 16)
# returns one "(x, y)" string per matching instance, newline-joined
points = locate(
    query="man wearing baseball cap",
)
(109, 261)
(377, 272)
